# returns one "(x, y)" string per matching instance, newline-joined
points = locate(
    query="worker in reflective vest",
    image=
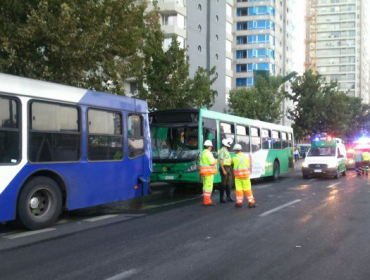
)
(365, 163)
(358, 162)
(225, 171)
(242, 171)
(207, 169)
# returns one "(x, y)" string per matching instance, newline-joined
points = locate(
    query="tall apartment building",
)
(336, 43)
(265, 36)
(205, 28)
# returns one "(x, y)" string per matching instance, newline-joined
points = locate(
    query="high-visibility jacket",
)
(224, 154)
(207, 163)
(366, 156)
(242, 166)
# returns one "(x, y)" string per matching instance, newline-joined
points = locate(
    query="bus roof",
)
(21, 86)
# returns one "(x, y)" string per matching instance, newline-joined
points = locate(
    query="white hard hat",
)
(208, 143)
(237, 147)
(226, 142)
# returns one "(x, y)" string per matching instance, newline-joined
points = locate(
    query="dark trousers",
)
(227, 181)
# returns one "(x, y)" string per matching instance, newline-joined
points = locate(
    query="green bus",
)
(177, 137)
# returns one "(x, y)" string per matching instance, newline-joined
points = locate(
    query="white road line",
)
(134, 215)
(262, 187)
(333, 185)
(280, 207)
(28, 233)
(10, 232)
(100, 218)
(124, 274)
(62, 221)
(171, 203)
(311, 180)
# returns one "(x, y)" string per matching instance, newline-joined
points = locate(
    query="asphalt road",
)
(302, 229)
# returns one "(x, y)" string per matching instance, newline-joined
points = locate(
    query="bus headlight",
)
(192, 167)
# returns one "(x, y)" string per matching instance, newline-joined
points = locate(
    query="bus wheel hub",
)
(34, 202)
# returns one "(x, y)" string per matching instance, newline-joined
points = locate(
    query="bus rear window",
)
(9, 131)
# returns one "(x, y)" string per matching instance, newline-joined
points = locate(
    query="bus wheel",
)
(276, 171)
(39, 204)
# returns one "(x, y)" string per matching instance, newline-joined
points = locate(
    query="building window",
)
(135, 131)
(199, 28)
(199, 48)
(217, 18)
(216, 56)
(199, 7)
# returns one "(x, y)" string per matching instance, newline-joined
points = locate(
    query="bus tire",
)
(39, 203)
(276, 171)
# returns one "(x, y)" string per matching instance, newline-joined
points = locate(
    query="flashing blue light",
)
(363, 140)
(317, 139)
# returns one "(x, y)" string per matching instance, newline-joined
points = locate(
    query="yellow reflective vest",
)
(242, 166)
(225, 156)
(207, 163)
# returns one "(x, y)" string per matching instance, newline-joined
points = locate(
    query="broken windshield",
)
(174, 143)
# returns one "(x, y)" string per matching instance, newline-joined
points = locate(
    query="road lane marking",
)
(312, 180)
(100, 218)
(10, 232)
(333, 185)
(280, 207)
(62, 221)
(171, 203)
(134, 215)
(262, 187)
(124, 274)
(28, 233)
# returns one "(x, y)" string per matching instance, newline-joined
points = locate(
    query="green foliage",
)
(164, 81)
(320, 107)
(262, 101)
(79, 43)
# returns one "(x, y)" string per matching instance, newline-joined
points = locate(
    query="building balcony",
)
(174, 30)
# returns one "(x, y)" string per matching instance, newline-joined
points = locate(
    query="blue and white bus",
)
(64, 148)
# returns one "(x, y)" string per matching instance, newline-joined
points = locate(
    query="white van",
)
(326, 157)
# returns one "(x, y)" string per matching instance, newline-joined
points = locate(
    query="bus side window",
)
(290, 140)
(276, 141)
(209, 131)
(105, 136)
(284, 139)
(266, 139)
(255, 139)
(227, 130)
(243, 137)
(55, 134)
(135, 131)
(9, 131)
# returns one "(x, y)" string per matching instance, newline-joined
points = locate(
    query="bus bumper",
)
(184, 177)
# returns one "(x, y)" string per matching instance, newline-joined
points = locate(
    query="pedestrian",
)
(296, 154)
(225, 171)
(358, 162)
(365, 162)
(207, 169)
(242, 170)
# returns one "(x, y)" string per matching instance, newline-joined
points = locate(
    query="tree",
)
(80, 43)
(164, 81)
(319, 107)
(262, 101)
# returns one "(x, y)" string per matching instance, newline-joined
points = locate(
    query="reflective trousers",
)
(207, 189)
(243, 186)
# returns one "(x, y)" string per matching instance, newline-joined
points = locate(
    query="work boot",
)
(230, 199)
(254, 205)
(238, 205)
(210, 204)
(222, 200)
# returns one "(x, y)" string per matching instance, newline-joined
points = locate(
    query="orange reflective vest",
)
(207, 164)
(242, 166)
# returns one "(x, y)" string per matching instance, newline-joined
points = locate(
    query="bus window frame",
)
(290, 141)
(233, 127)
(142, 133)
(260, 142)
(29, 130)
(213, 129)
(247, 130)
(286, 140)
(108, 135)
(273, 139)
(269, 139)
(20, 130)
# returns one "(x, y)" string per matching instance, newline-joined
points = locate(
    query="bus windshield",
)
(174, 143)
(321, 152)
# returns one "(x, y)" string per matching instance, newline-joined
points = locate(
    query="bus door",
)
(135, 167)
